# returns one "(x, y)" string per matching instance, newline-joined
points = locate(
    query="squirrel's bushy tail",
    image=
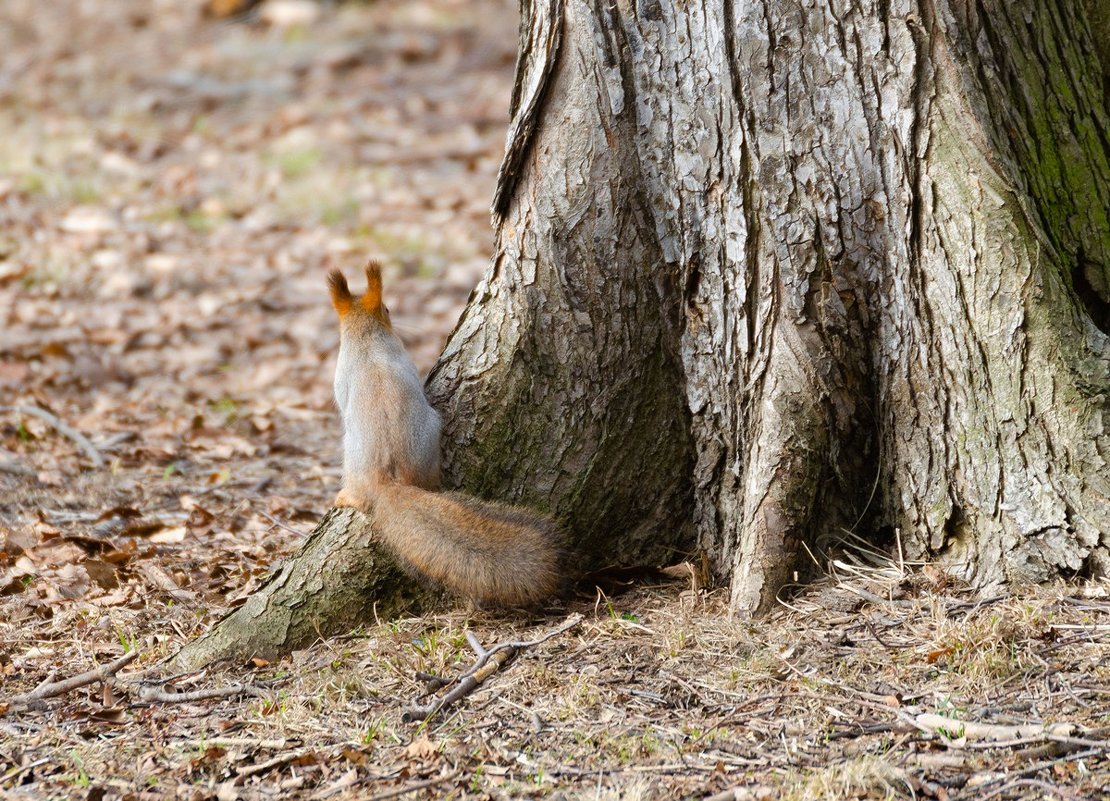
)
(488, 552)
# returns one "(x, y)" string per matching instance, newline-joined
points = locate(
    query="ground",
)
(173, 189)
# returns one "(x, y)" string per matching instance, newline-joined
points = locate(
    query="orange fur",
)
(372, 300)
(488, 552)
(369, 303)
(341, 297)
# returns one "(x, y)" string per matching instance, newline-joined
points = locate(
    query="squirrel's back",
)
(390, 431)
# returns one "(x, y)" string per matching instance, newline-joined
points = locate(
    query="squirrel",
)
(488, 552)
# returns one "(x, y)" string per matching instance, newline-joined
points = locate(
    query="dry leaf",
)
(102, 573)
(169, 536)
(422, 748)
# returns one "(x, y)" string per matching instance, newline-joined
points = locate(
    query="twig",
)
(1078, 742)
(1035, 768)
(487, 663)
(72, 433)
(65, 685)
(875, 633)
(433, 681)
(517, 645)
(412, 788)
(467, 684)
(280, 759)
(971, 730)
(1048, 788)
(878, 599)
(150, 694)
(239, 742)
(15, 469)
(673, 768)
(280, 524)
(19, 770)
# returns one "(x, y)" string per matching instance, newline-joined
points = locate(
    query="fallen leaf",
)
(102, 573)
(170, 536)
(113, 717)
(935, 656)
(422, 748)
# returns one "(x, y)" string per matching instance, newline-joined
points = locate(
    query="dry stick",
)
(282, 525)
(932, 724)
(875, 633)
(59, 687)
(1048, 788)
(517, 645)
(146, 693)
(239, 742)
(15, 469)
(878, 599)
(280, 759)
(972, 730)
(467, 684)
(72, 433)
(487, 663)
(432, 681)
(1035, 768)
(19, 770)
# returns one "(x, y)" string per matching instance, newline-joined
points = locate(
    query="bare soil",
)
(173, 189)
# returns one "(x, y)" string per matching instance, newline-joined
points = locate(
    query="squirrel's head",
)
(368, 305)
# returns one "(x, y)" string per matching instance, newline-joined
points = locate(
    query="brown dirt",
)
(173, 189)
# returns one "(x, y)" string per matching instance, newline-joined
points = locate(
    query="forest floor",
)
(173, 189)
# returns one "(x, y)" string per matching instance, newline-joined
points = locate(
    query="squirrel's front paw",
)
(343, 499)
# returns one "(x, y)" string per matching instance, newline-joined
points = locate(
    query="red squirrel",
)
(488, 552)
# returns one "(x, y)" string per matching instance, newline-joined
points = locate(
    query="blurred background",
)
(176, 177)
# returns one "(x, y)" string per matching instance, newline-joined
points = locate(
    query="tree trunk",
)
(799, 268)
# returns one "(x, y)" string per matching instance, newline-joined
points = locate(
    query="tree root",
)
(340, 578)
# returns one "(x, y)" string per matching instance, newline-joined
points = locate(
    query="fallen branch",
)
(488, 662)
(56, 688)
(969, 730)
(466, 685)
(151, 694)
(143, 691)
(270, 764)
(68, 431)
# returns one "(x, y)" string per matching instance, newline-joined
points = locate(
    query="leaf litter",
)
(173, 187)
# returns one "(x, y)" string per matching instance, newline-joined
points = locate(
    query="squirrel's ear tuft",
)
(340, 293)
(372, 300)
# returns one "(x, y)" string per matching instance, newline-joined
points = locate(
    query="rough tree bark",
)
(339, 579)
(866, 241)
(771, 270)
